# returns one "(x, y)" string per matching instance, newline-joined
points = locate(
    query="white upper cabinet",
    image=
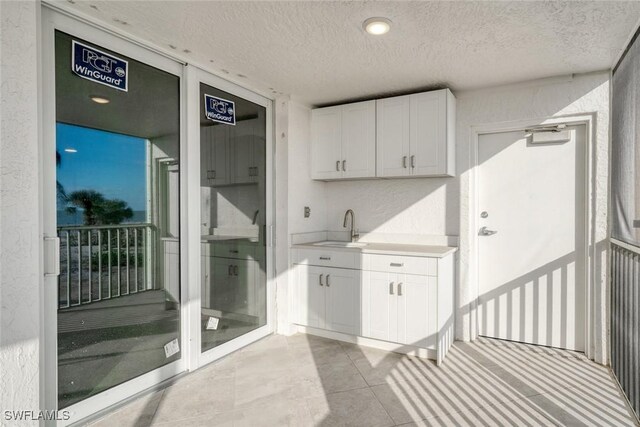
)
(359, 140)
(403, 136)
(416, 135)
(232, 155)
(343, 141)
(393, 136)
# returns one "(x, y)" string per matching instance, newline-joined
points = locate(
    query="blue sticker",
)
(97, 66)
(220, 110)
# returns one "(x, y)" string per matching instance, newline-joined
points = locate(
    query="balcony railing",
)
(104, 262)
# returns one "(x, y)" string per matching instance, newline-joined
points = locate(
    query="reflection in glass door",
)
(233, 216)
(117, 183)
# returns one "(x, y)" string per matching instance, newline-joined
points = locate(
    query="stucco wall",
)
(19, 209)
(440, 206)
(556, 97)
(302, 190)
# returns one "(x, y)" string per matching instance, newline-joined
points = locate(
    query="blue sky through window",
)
(109, 163)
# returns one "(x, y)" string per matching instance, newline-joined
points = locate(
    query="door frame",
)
(590, 251)
(195, 76)
(56, 17)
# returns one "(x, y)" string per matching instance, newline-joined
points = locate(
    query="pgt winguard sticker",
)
(212, 323)
(100, 67)
(171, 348)
(220, 110)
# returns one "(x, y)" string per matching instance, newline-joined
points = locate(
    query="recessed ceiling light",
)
(377, 26)
(70, 150)
(100, 99)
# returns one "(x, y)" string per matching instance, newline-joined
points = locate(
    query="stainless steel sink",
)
(339, 244)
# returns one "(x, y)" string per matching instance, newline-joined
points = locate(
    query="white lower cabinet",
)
(379, 298)
(329, 298)
(230, 285)
(396, 308)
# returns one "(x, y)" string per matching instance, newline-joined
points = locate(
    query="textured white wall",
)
(407, 206)
(302, 190)
(538, 100)
(441, 206)
(281, 142)
(19, 208)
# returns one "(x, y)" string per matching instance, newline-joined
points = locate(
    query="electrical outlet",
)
(307, 211)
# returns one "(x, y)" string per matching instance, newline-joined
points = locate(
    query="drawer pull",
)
(400, 289)
(391, 288)
(233, 251)
(320, 279)
(397, 264)
(325, 258)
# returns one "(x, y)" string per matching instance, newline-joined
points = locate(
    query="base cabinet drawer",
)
(328, 298)
(400, 308)
(327, 258)
(400, 264)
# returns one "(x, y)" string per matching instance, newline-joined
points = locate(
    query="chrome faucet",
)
(354, 235)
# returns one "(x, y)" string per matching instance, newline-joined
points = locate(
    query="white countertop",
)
(387, 249)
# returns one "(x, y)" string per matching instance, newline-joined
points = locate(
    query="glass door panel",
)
(233, 216)
(117, 181)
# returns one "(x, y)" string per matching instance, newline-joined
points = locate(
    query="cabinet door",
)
(220, 155)
(242, 151)
(244, 287)
(380, 306)
(417, 313)
(429, 133)
(393, 136)
(342, 288)
(223, 292)
(359, 140)
(206, 277)
(326, 143)
(205, 156)
(310, 296)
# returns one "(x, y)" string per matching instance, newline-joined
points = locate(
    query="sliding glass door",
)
(233, 216)
(117, 191)
(136, 209)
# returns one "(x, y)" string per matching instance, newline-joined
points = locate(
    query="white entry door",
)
(532, 269)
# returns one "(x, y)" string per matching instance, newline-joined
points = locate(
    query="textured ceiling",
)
(318, 53)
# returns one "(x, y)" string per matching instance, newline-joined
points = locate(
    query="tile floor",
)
(308, 381)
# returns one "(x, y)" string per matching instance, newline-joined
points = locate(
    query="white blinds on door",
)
(625, 148)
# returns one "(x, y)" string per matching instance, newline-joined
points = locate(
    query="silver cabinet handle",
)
(320, 280)
(400, 289)
(235, 270)
(391, 288)
(338, 165)
(233, 251)
(325, 258)
(404, 162)
(397, 264)
(413, 162)
(344, 165)
(230, 270)
(328, 275)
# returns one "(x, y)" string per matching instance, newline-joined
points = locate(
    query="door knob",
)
(484, 231)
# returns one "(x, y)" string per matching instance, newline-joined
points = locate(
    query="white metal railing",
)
(625, 319)
(103, 262)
